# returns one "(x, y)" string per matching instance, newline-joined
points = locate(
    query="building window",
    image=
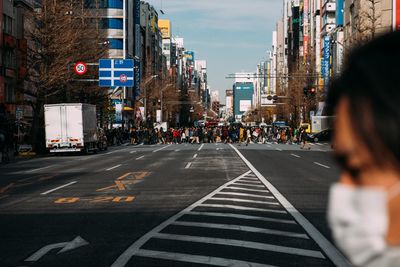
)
(111, 24)
(10, 95)
(9, 59)
(7, 25)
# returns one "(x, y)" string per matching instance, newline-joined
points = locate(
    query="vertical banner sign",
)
(118, 111)
(327, 61)
(138, 47)
(305, 29)
(397, 14)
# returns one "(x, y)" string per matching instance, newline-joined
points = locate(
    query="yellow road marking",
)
(120, 185)
(124, 176)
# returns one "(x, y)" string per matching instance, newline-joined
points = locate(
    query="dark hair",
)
(371, 83)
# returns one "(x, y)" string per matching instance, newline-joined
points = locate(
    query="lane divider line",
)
(296, 156)
(112, 168)
(188, 165)
(202, 145)
(195, 156)
(38, 169)
(322, 165)
(57, 188)
(330, 250)
(140, 157)
(133, 152)
(161, 148)
(278, 149)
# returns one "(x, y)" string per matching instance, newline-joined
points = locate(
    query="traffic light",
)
(312, 92)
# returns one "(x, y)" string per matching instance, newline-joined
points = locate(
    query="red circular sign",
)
(80, 68)
(123, 78)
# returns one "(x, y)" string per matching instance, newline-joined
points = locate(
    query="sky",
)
(232, 35)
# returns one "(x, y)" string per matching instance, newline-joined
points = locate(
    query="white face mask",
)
(359, 221)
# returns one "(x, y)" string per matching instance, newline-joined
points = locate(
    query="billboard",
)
(189, 55)
(242, 97)
(165, 27)
(244, 105)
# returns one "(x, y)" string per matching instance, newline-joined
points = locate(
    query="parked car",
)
(325, 135)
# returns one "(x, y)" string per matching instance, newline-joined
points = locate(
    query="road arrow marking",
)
(65, 246)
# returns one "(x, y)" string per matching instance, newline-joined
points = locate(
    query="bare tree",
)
(61, 33)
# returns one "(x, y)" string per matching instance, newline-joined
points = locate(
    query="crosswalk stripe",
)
(239, 216)
(240, 183)
(247, 189)
(243, 200)
(215, 261)
(241, 228)
(243, 244)
(243, 194)
(249, 181)
(236, 207)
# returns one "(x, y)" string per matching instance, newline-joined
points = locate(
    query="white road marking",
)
(55, 189)
(322, 165)
(240, 216)
(108, 153)
(241, 228)
(39, 169)
(236, 207)
(194, 259)
(133, 152)
(161, 148)
(247, 189)
(296, 156)
(318, 144)
(133, 249)
(195, 156)
(331, 251)
(112, 168)
(65, 246)
(244, 195)
(202, 145)
(253, 185)
(140, 157)
(177, 150)
(244, 200)
(243, 244)
(278, 149)
(188, 165)
(250, 181)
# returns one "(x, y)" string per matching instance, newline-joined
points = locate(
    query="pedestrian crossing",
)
(239, 224)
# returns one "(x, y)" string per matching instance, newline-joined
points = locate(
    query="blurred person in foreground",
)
(364, 206)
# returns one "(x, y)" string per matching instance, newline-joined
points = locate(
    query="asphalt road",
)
(170, 205)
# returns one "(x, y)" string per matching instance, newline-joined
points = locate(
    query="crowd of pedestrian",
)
(194, 135)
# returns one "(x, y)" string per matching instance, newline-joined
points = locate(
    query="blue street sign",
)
(116, 72)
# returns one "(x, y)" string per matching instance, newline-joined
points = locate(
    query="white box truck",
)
(70, 127)
(320, 123)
